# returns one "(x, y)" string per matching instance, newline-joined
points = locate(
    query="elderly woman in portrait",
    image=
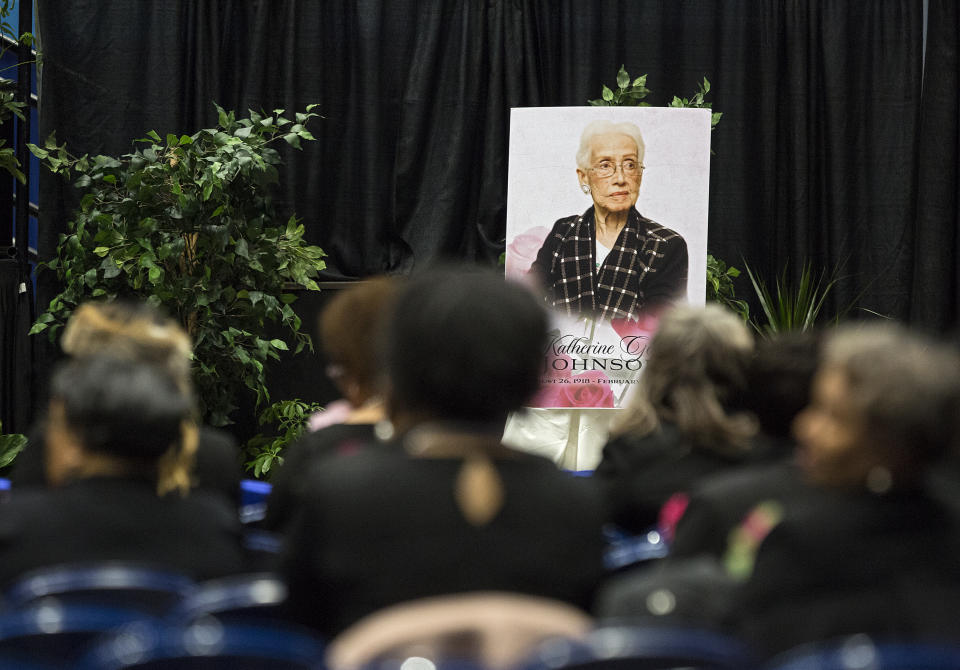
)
(610, 261)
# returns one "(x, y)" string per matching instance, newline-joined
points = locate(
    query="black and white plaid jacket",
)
(647, 266)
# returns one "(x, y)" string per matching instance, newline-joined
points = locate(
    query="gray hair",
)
(904, 385)
(605, 128)
(698, 362)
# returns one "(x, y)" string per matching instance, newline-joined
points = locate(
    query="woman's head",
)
(139, 332)
(696, 371)
(351, 330)
(883, 407)
(129, 330)
(118, 411)
(464, 345)
(610, 164)
(779, 378)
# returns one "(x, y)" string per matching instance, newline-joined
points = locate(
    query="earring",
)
(584, 188)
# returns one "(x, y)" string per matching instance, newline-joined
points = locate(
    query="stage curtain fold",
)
(936, 279)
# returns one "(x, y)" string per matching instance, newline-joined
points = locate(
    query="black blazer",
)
(292, 479)
(638, 474)
(844, 563)
(718, 503)
(100, 519)
(380, 527)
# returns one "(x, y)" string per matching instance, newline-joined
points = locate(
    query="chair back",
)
(238, 598)
(206, 644)
(55, 634)
(124, 585)
(643, 648)
(860, 652)
(492, 629)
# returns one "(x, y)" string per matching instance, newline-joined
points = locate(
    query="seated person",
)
(779, 377)
(682, 423)
(351, 327)
(111, 424)
(138, 331)
(444, 507)
(872, 551)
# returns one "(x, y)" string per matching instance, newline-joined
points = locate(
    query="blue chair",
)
(636, 648)
(206, 644)
(234, 599)
(125, 585)
(860, 652)
(56, 635)
(624, 550)
(253, 500)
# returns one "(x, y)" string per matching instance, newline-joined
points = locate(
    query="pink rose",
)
(556, 368)
(635, 334)
(522, 250)
(589, 389)
(645, 324)
(549, 395)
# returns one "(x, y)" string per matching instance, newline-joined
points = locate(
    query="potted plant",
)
(187, 223)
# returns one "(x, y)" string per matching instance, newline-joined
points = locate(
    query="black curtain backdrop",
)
(823, 149)
(16, 349)
(936, 280)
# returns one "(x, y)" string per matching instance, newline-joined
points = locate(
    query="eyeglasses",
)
(605, 169)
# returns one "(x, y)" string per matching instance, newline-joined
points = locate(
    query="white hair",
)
(606, 128)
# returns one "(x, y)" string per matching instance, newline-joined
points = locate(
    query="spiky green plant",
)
(788, 306)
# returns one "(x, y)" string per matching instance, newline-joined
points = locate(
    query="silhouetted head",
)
(694, 377)
(779, 379)
(351, 332)
(464, 345)
(125, 329)
(113, 415)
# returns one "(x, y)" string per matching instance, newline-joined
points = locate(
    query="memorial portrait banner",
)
(606, 300)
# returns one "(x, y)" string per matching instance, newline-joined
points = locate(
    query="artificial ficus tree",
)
(188, 223)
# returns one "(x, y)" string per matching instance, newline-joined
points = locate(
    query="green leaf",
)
(242, 250)
(152, 134)
(243, 132)
(279, 344)
(101, 251)
(293, 140)
(607, 94)
(37, 151)
(221, 116)
(623, 79)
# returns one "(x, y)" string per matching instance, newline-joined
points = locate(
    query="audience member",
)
(351, 330)
(445, 507)
(779, 377)
(690, 585)
(111, 423)
(681, 424)
(137, 331)
(872, 551)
